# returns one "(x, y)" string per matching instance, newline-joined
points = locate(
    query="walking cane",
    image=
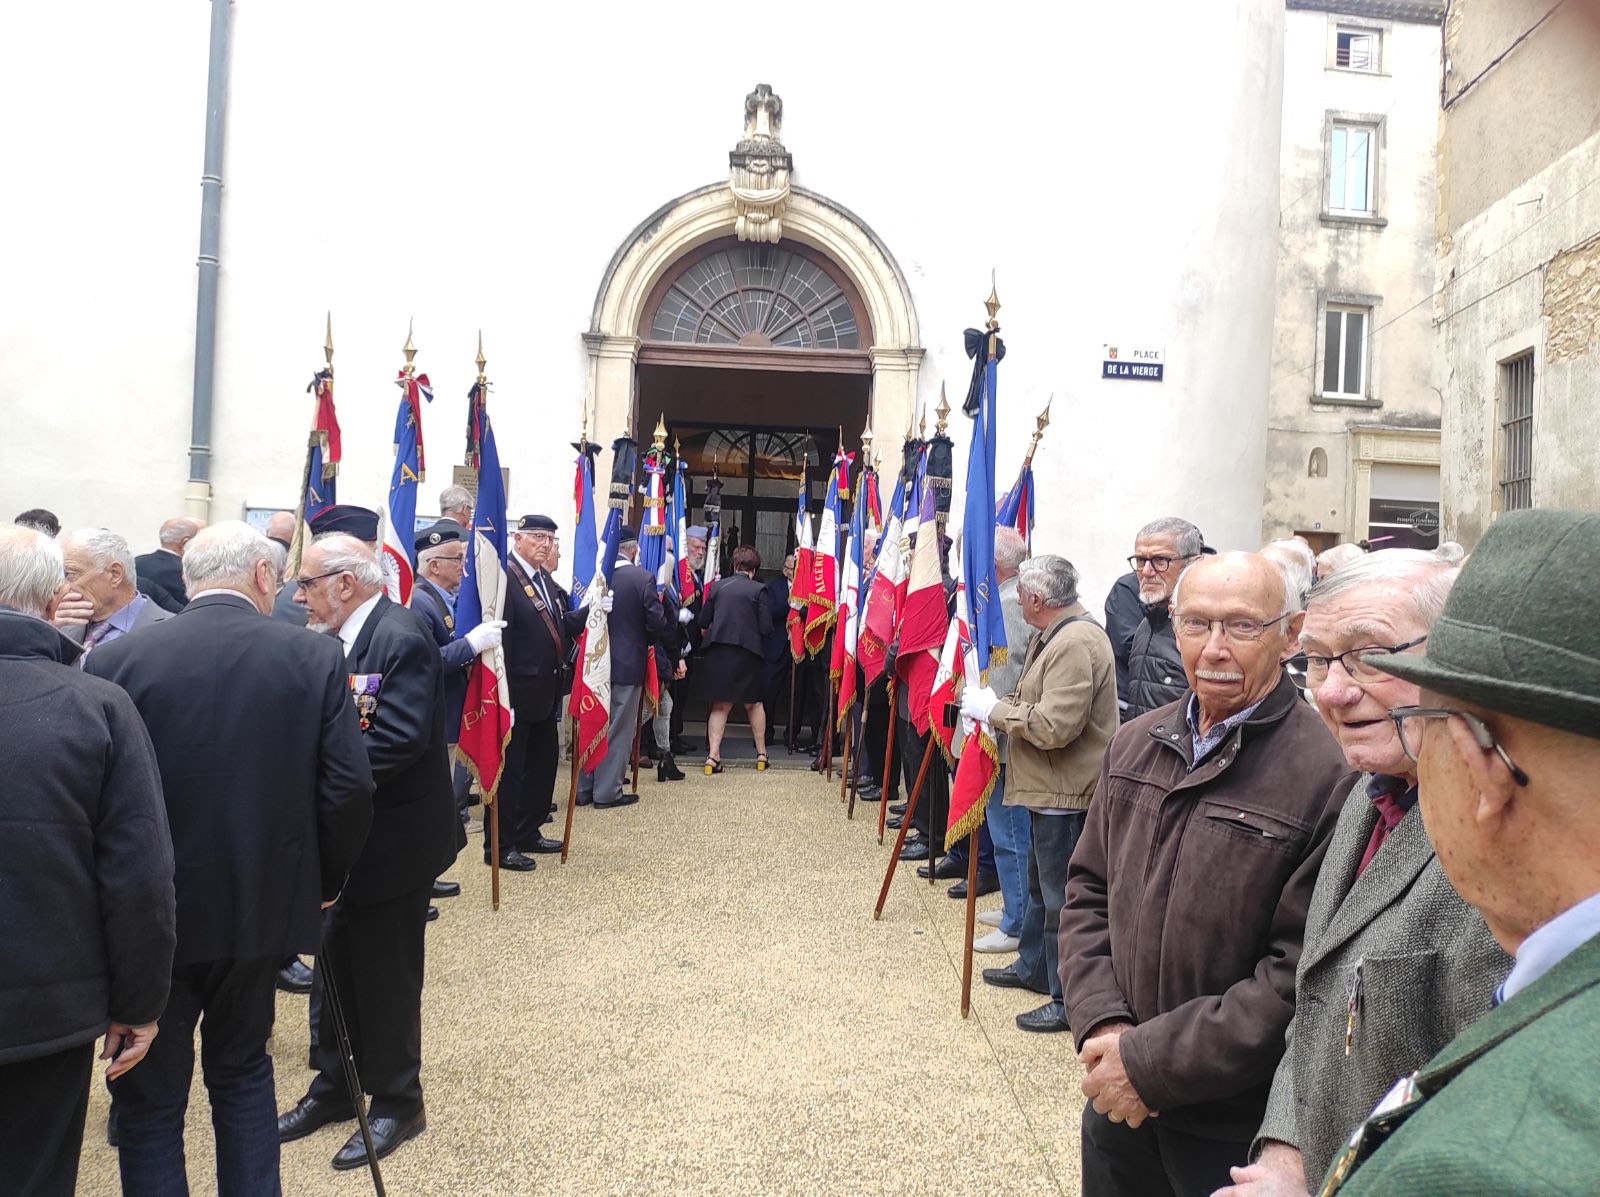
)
(905, 826)
(347, 1057)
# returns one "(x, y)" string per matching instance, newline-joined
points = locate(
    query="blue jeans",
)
(235, 999)
(1009, 829)
(1054, 838)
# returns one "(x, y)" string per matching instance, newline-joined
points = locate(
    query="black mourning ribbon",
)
(316, 378)
(977, 343)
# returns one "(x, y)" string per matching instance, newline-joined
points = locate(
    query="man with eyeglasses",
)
(1395, 964)
(1506, 740)
(1187, 894)
(1163, 549)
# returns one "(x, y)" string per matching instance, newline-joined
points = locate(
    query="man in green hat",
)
(1507, 741)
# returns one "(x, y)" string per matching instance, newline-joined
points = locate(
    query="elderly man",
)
(40, 520)
(1507, 744)
(1057, 722)
(372, 942)
(1341, 554)
(161, 572)
(102, 602)
(86, 905)
(242, 706)
(1296, 559)
(1384, 922)
(695, 540)
(1163, 549)
(455, 505)
(1187, 895)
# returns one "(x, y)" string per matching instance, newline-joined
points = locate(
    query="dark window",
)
(1516, 433)
(1344, 351)
(1357, 50)
(756, 295)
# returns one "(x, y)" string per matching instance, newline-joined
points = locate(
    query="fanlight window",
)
(756, 295)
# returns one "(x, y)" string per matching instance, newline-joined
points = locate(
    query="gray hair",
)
(30, 569)
(1299, 566)
(1425, 579)
(454, 498)
(1010, 550)
(1052, 579)
(1339, 555)
(179, 531)
(1451, 552)
(104, 546)
(1189, 540)
(342, 553)
(1291, 600)
(225, 556)
(433, 550)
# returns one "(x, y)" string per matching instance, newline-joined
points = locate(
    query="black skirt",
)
(729, 673)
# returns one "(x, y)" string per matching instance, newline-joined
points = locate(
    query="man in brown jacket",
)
(1186, 898)
(1057, 723)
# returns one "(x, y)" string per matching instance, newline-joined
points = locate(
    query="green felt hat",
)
(1520, 632)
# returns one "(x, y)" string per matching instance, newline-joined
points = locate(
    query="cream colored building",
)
(562, 182)
(1353, 439)
(1519, 268)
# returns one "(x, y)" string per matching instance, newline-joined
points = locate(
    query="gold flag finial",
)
(866, 444)
(922, 423)
(482, 361)
(327, 344)
(942, 412)
(1041, 422)
(992, 303)
(660, 434)
(409, 350)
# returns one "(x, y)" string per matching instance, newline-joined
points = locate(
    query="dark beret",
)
(444, 532)
(360, 522)
(628, 536)
(536, 523)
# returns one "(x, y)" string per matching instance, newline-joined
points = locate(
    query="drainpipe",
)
(197, 495)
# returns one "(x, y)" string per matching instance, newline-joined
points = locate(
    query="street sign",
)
(1125, 361)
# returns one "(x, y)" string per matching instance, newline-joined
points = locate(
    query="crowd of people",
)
(1297, 850)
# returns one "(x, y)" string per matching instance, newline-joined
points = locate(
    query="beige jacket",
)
(1060, 717)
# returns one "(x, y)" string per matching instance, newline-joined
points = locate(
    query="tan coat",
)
(1060, 718)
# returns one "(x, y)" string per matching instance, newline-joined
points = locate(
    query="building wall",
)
(1322, 258)
(476, 167)
(1518, 268)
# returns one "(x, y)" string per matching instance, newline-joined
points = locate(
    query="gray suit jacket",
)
(1428, 969)
(151, 612)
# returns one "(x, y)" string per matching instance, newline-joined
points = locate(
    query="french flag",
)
(486, 716)
(398, 550)
(925, 618)
(801, 588)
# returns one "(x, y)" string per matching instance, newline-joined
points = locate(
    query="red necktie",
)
(1390, 813)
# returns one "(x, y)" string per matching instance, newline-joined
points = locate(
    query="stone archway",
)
(709, 213)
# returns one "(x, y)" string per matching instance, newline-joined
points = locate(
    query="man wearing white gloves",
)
(1058, 722)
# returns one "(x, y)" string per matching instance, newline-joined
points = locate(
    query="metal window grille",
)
(1516, 433)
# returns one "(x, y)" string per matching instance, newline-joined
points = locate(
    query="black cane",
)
(347, 1057)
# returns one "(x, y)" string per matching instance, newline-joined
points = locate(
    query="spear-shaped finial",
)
(327, 344)
(866, 444)
(659, 437)
(922, 424)
(942, 412)
(482, 361)
(1041, 422)
(409, 350)
(677, 447)
(992, 303)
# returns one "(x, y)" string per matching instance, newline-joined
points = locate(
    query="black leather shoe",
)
(620, 800)
(433, 914)
(1048, 1019)
(988, 883)
(668, 770)
(899, 808)
(516, 862)
(387, 1135)
(446, 889)
(1003, 978)
(949, 867)
(542, 847)
(294, 977)
(585, 799)
(113, 1136)
(868, 792)
(895, 823)
(309, 1115)
(914, 850)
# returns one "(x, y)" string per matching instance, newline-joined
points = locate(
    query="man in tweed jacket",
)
(1395, 964)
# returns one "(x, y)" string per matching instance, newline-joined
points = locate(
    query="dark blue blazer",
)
(636, 623)
(431, 605)
(775, 644)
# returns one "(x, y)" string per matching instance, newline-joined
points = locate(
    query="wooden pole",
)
(891, 782)
(790, 740)
(905, 825)
(827, 735)
(494, 848)
(638, 728)
(572, 791)
(972, 918)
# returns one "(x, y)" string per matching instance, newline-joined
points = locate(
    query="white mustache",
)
(1217, 675)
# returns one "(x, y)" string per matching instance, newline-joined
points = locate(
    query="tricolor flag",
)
(586, 530)
(398, 554)
(867, 496)
(848, 633)
(951, 666)
(653, 552)
(879, 609)
(800, 588)
(980, 758)
(319, 486)
(822, 601)
(591, 686)
(925, 617)
(1016, 506)
(486, 716)
(688, 584)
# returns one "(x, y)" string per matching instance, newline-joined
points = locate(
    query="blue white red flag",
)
(486, 715)
(586, 529)
(1016, 507)
(399, 555)
(591, 687)
(879, 608)
(847, 633)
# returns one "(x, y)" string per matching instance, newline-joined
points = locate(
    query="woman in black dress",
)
(735, 619)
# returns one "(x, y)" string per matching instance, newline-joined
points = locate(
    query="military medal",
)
(364, 686)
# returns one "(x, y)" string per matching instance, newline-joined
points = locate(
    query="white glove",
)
(486, 635)
(685, 615)
(607, 603)
(976, 703)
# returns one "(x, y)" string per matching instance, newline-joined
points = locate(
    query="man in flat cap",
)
(1507, 743)
(635, 621)
(540, 636)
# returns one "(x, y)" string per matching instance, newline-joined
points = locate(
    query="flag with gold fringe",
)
(822, 603)
(800, 585)
(486, 714)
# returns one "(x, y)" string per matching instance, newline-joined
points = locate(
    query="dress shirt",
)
(1205, 744)
(535, 578)
(1394, 799)
(357, 620)
(114, 627)
(1551, 943)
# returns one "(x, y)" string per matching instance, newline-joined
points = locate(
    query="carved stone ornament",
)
(759, 169)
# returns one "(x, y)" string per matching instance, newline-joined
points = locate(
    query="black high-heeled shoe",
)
(668, 769)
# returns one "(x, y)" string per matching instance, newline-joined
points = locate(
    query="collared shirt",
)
(1393, 797)
(225, 590)
(536, 577)
(1205, 744)
(1551, 944)
(119, 624)
(356, 621)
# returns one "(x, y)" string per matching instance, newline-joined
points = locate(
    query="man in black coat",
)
(86, 905)
(634, 622)
(538, 639)
(672, 651)
(372, 945)
(1162, 550)
(160, 573)
(269, 798)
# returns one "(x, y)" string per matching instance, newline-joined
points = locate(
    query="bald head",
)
(177, 533)
(280, 526)
(1235, 622)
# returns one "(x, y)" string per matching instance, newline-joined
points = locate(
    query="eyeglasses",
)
(454, 560)
(1160, 564)
(1241, 630)
(1412, 723)
(1356, 668)
(305, 583)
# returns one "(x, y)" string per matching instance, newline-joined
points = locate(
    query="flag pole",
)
(492, 800)
(572, 790)
(972, 916)
(891, 782)
(905, 825)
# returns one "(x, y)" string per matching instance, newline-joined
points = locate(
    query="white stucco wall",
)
(476, 167)
(1319, 257)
